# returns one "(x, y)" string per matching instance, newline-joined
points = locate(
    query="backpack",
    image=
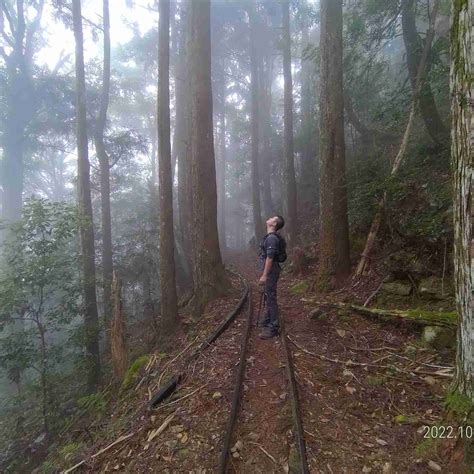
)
(281, 255)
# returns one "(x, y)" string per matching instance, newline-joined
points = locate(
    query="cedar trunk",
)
(107, 263)
(309, 169)
(223, 167)
(208, 271)
(462, 106)
(254, 127)
(290, 180)
(91, 319)
(184, 138)
(334, 228)
(168, 298)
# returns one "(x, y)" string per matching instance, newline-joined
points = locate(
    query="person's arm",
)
(266, 269)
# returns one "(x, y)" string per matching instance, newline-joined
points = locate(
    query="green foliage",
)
(428, 447)
(375, 380)
(94, 403)
(300, 287)
(405, 419)
(133, 371)
(39, 300)
(458, 403)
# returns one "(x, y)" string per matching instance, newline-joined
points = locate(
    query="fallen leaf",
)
(381, 442)
(434, 467)
(351, 390)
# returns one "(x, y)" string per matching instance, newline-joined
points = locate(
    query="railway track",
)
(238, 390)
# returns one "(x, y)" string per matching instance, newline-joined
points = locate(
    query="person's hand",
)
(262, 280)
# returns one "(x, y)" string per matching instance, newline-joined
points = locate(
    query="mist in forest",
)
(144, 144)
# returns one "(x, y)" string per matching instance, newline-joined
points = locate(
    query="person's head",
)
(275, 223)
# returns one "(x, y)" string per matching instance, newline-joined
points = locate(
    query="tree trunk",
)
(309, 169)
(414, 47)
(184, 140)
(462, 106)
(223, 167)
(118, 342)
(266, 77)
(208, 272)
(168, 298)
(107, 262)
(290, 180)
(334, 230)
(254, 126)
(91, 319)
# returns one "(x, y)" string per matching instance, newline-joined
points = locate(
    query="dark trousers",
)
(271, 314)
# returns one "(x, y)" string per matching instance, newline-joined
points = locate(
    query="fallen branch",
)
(119, 440)
(182, 398)
(372, 296)
(422, 318)
(264, 451)
(154, 433)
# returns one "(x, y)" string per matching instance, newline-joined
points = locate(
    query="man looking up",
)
(272, 252)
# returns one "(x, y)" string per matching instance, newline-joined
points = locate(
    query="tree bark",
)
(223, 167)
(184, 139)
(309, 169)
(265, 83)
(208, 272)
(107, 259)
(288, 149)
(254, 126)
(462, 156)
(334, 228)
(91, 319)
(414, 47)
(168, 298)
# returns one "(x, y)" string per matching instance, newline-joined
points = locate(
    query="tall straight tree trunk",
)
(462, 154)
(334, 228)
(265, 83)
(107, 263)
(168, 298)
(91, 318)
(309, 170)
(181, 144)
(222, 180)
(184, 137)
(254, 126)
(208, 271)
(290, 180)
(414, 47)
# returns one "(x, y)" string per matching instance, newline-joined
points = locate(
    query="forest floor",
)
(367, 390)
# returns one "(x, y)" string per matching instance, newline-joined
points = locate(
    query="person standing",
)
(272, 253)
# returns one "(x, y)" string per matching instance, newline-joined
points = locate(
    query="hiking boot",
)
(268, 333)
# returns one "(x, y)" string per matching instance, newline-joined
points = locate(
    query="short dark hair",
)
(280, 222)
